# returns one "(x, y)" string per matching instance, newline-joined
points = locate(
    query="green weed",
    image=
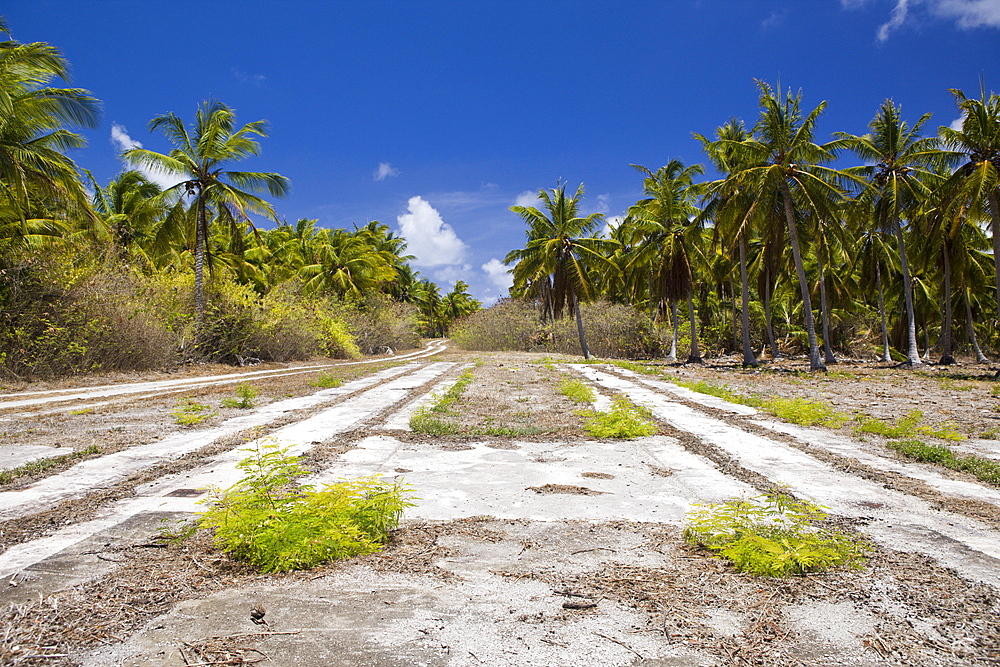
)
(986, 470)
(804, 411)
(772, 535)
(327, 381)
(424, 421)
(269, 521)
(82, 411)
(908, 424)
(191, 412)
(636, 368)
(576, 391)
(624, 421)
(244, 398)
(41, 465)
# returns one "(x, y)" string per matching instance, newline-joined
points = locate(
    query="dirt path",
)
(531, 544)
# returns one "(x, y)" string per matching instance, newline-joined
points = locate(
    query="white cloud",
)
(610, 224)
(896, 19)
(775, 20)
(527, 198)
(966, 13)
(122, 142)
(499, 274)
(971, 13)
(384, 170)
(957, 123)
(255, 79)
(447, 276)
(428, 236)
(602, 203)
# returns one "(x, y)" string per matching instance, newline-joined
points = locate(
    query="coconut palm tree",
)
(37, 180)
(664, 237)
(898, 176)
(560, 255)
(780, 158)
(201, 156)
(973, 191)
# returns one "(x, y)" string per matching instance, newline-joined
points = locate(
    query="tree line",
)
(906, 242)
(52, 208)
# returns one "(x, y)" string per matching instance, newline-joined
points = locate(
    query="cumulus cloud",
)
(610, 224)
(498, 274)
(527, 198)
(957, 123)
(428, 237)
(384, 170)
(896, 19)
(121, 140)
(255, 79)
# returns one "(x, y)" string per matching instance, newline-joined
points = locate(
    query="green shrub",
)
(804, 411)
(244, 398)
(576, 391)
(426, 422)
(612, 331)
(270, 522)
(986, 470)
(771, 535)
(908, 424)
(624, 421)
(327, 381)
(190, 412)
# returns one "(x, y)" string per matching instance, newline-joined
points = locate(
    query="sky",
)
(435, 117)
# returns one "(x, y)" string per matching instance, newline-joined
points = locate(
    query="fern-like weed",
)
(269, 521)
(772, 535)
(624, 421)
(576, 390)
(244, 398)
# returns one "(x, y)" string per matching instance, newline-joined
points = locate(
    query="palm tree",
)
(201, 156)
(780, 158)
(728, 208)
(33, 140)
(973, 191)
(558, 258)
(897, 177)
(664, 239)
(347, 265)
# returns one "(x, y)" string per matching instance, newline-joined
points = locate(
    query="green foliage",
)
(719, 391)
(327, 381)
(772, 535)
(190, 412)
(624, 421)
(577, 391)
(906, 425)
(804, 411)
(244, 397)
(424, 421)
(267, 520)
(41, 465)
(82, 411)
(453, 393)
(986, 470)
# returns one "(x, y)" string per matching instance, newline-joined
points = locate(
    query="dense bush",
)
(60, 315)
(612, 330)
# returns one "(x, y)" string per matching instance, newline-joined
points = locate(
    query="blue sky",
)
(436, 117)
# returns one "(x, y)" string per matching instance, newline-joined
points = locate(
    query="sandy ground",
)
(531, 544)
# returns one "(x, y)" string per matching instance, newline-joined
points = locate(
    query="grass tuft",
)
(908, 424)
(41, 465)
(985, 470)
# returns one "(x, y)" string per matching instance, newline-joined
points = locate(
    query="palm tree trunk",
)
(695, 356)
(886, 356)
(672, 357)
(768, 324)
(980, 357)
(199, 266)
(579, 328)
(748, 356)
(912, 353)
(793, 237)
(824, 311)
(946, 340)
(995, 228)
